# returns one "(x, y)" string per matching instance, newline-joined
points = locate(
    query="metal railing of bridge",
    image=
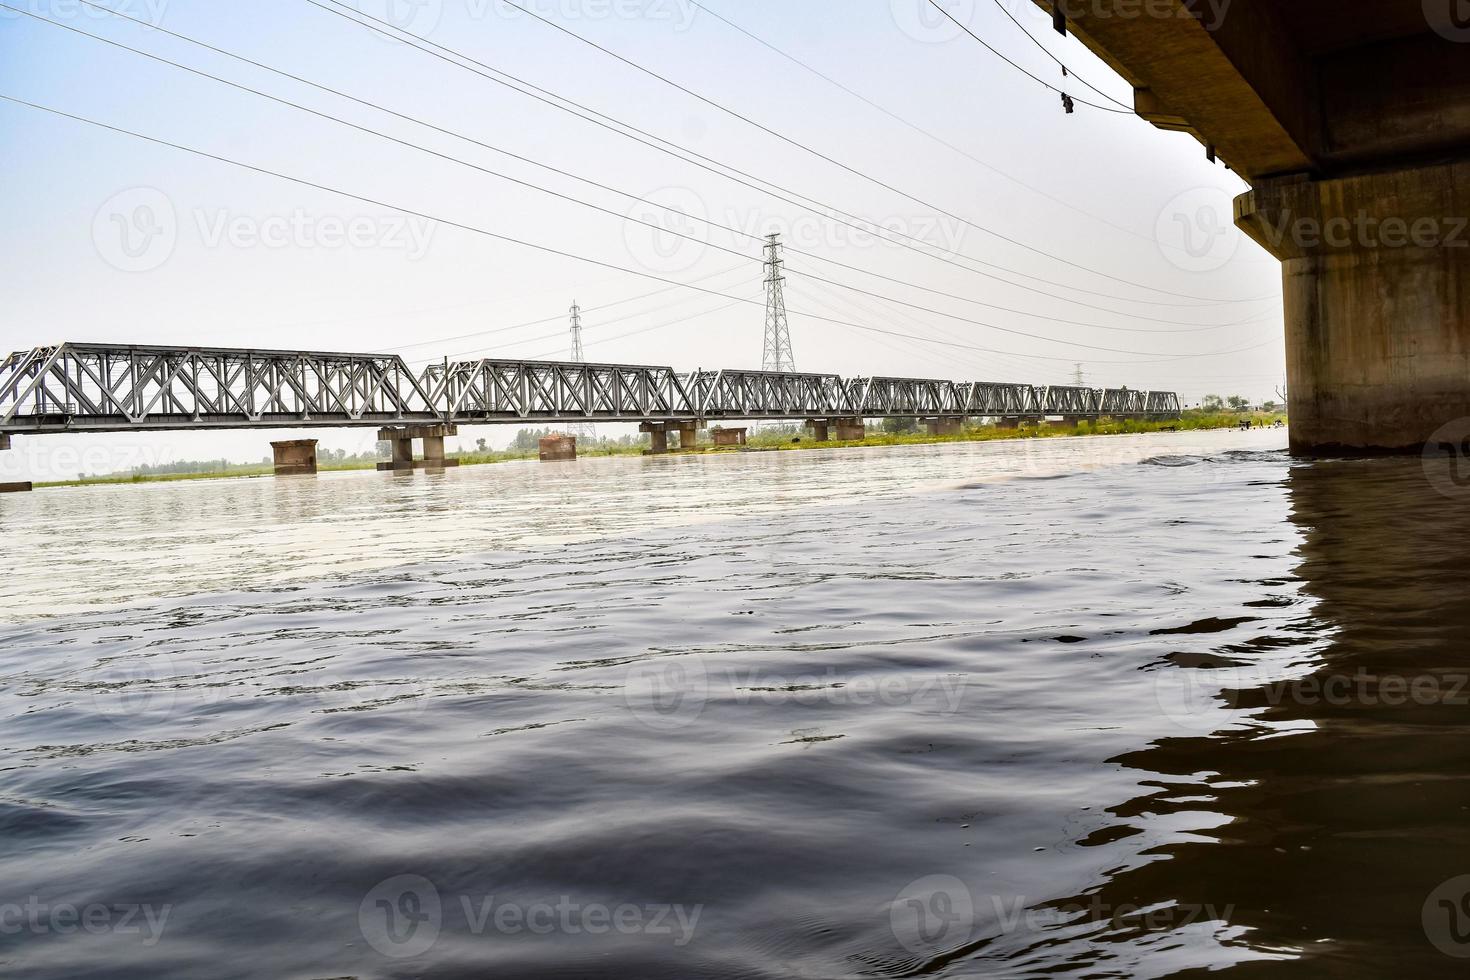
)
(103, 387)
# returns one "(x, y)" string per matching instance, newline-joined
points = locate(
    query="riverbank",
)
(759, 440)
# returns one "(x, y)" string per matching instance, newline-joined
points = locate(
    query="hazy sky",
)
(106, 238)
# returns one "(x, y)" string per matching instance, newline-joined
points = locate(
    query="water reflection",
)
(1313, 824)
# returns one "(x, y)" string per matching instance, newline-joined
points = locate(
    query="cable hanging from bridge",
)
(1066, 98)
(878, 231)
(389, 30)
(1179, 328)
(571, 255)
(1047, 51)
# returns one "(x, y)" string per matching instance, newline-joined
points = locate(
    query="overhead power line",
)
(817, 153)
(556, 319)
(1065, 70)
(1040, 81)
(625, 217)
(437, 50)
(874, 229)
(550, 250)
(804, 66)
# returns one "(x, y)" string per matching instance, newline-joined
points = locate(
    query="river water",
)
(1127, 706)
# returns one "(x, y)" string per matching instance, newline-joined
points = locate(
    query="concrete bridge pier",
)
(4, 441)
(658, 437)
(818, 428)
(944, 426)
(295, 457)
(1376, 281)
(402, 437)
(850, 429)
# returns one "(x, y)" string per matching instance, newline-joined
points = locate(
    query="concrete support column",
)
(850, 430)
(402, 454)
(818, 429)
(688, 436)
(1376, 275)
(295, 457)
(658, 436)
(4, 441)
(402, 437)
(943, 426)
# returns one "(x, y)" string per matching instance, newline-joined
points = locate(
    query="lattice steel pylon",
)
(776, 351)
(584, 431)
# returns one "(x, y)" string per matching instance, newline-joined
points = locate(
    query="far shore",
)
(758, 441)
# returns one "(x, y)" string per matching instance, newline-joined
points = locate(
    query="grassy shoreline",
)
(758, 442)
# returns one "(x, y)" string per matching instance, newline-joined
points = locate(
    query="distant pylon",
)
(1077, 378)
(582, 430)
(776, 351)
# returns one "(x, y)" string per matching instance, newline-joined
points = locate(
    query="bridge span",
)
(111, 388)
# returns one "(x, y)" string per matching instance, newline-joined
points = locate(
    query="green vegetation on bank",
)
(891, 432)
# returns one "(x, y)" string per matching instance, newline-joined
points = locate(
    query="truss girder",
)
(99, 388)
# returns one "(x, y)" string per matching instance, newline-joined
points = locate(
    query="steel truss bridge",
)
(111, 388)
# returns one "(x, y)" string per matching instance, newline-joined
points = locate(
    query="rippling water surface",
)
(1099, 707)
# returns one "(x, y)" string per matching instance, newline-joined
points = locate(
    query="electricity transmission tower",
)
(582, 430)
(776, 351)
(1077, 378)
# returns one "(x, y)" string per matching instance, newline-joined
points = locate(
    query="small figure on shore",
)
(1245, 424)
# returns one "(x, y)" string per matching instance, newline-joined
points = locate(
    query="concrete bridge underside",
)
(1351, 121)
